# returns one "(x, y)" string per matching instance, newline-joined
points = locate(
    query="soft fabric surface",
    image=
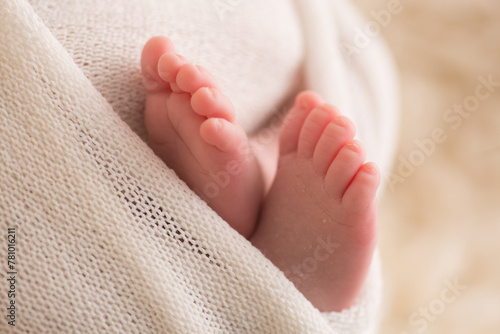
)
(443, 222)
(108, 238)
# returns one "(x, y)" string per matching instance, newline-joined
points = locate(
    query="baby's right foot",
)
(318, 222)
(191, 126)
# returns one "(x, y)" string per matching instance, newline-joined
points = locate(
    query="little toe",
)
(289, 137)
(312, 129)
(169, 65)
(226, 136)
(363, 188)
(151, 53)
(190, 78)
(210, 102)
(343, 168)
(334, 137)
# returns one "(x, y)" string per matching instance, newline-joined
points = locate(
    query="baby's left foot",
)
(318, 222)
(192, 127)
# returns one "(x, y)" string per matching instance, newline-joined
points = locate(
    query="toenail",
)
(322, 111)
(370, 168)
(195, 68)
(177, 57)
(303, 104)
(162, 58)
(355, 147)
(211, 91)
(217, 124)
(341, 120)
(328, 108)
(164, 68)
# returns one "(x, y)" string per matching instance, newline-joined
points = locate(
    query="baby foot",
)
(318, 222)
(191, 126)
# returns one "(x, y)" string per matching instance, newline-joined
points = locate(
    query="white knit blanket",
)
(107, 238)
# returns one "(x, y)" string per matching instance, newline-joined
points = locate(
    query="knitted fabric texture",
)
(108, 239)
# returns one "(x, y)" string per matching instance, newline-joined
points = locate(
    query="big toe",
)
(151, 53)
(191, 77)
(211, 102)
(304, 104)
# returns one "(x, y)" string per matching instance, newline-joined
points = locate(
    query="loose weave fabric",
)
(108, 239)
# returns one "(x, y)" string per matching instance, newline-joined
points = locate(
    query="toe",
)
(190, 78)
(169, 65)
(335, 136)
(361, 192)
(313, 127)
(203, 137)
(343, 168)
(289, 137)
(226, 136)
(151, 53)
(210, 102)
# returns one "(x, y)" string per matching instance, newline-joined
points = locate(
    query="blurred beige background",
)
(440, 226)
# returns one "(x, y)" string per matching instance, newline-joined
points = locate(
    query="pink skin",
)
(191, 127)
(323, 193)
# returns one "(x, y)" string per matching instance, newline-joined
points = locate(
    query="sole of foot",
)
(318, 222)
